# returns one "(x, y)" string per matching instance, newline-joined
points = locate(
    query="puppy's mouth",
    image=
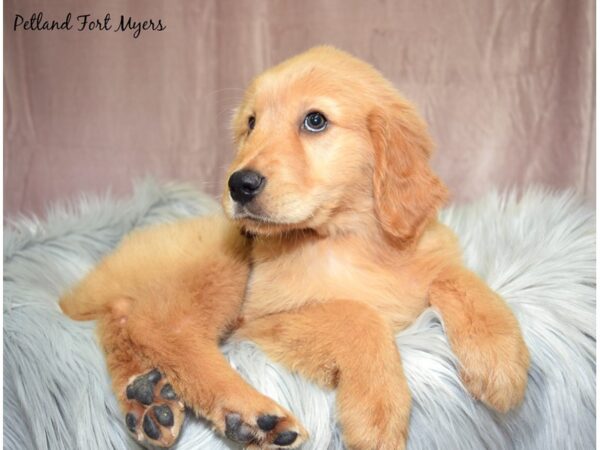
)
(254, 220)
(255, 214)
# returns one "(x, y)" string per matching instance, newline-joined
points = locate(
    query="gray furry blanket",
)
(538, 252)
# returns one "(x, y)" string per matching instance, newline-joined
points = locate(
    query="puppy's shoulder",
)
(439, 240)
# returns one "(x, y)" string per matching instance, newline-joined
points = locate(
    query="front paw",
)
(494, 369)
(256, 421)
(264, 432)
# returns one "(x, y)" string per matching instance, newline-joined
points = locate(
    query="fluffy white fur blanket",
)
(538, 252)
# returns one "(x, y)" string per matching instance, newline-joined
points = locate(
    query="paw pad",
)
(267, 422)
(155, 414)
(285, 438)
(237, 430)
(163, 415)
(269, 430)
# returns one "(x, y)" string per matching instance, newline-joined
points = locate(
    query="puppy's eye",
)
(251, 122)
(315, 122)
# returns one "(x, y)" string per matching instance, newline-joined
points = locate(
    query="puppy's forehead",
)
(318, 77)
(293, 84)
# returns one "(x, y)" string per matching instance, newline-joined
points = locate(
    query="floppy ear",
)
(407, 192)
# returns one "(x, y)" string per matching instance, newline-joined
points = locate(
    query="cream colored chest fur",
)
(396, 284)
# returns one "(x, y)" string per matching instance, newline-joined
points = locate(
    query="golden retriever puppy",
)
(330, 247)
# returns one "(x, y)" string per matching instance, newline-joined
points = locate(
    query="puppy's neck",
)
(344, 223)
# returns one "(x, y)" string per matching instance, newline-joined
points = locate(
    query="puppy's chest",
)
(321, 274)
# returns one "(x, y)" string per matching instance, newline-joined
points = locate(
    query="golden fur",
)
(346, 251)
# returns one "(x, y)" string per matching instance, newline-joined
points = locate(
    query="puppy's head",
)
(324, 141)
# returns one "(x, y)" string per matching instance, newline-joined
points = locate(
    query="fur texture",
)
(538, 253)
(347, 251)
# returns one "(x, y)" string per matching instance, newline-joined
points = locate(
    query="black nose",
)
(244, 185)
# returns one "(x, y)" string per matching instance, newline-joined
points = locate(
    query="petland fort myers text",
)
(88, 22)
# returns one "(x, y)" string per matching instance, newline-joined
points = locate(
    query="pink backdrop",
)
(506, 86)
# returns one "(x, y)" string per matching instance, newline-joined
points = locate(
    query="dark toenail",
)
(237, 430)
(150, 428)
(167, 392)
(154, 376)
(267, 422)
(131, 422)
(285, 438)
(164, 415)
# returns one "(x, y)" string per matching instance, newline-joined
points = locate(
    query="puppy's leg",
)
(485, 336)
(153, 411)
(345, 345)
(162, 357)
